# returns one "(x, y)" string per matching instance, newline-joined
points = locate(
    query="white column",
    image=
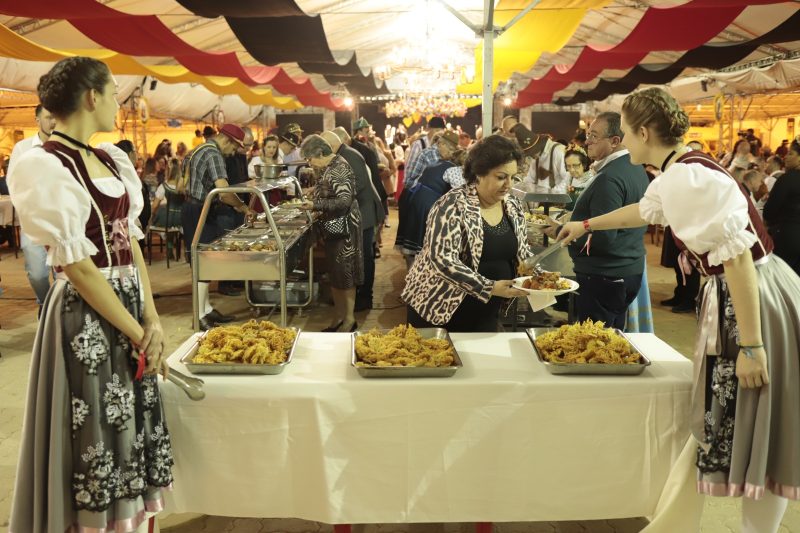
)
(525, 115)
(488, 72)
(328, 119)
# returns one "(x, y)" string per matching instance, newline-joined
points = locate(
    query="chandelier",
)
(427, 61)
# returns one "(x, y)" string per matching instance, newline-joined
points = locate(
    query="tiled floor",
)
(18, 322)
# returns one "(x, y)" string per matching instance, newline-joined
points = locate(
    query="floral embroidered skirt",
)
(752, 436)
(95, 451)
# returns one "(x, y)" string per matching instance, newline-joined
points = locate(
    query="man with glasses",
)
(608, 264)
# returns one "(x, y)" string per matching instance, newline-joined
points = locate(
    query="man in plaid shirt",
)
(414, 167)
(207, 172)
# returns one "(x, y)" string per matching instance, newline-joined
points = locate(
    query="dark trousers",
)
(606, 298)
(190, 216)
(228, 219)
(787, 244)
(471, 316)
(364, 291)
(686, 294)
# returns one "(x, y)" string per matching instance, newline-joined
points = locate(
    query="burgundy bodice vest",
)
(112, 236)
(759, 250)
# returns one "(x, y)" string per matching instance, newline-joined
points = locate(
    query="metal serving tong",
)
(193, 387)
(534, 261)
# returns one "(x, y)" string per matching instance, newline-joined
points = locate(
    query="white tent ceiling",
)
(373, 28)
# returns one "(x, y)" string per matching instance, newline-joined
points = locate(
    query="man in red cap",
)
(206, 170)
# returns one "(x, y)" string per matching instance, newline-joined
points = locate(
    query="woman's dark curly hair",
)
(60, 90)
(489, 153)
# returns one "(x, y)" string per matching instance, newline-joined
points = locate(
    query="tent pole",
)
(487, 102)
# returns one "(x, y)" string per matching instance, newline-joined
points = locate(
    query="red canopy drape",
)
(146, 35)
(660, 29)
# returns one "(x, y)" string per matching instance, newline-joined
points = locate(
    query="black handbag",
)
(335, 228)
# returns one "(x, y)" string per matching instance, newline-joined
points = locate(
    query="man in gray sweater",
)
(369, 205)
(608, 264)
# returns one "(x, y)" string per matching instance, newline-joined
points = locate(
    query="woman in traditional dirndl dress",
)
(95, 451)
(746, 401)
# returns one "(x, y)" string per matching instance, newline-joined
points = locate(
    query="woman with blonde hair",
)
(745, 414)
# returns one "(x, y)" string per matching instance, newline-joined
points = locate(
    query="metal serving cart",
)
(266, 250)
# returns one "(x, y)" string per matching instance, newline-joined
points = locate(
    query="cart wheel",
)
(256, 312)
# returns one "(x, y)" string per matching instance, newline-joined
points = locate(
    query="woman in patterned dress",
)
(334, 196)
(95, 451)
(476, 236)
(745, 414)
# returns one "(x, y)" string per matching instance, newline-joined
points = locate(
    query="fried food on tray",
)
(402, 346)
(587, 342)
(543, 281)
(536, 218)
(257, 343)
(238, 246)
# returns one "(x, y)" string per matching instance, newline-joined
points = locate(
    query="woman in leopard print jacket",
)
(476, 236)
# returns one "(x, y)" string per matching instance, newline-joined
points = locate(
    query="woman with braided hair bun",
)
(95, 452)
(745, 415)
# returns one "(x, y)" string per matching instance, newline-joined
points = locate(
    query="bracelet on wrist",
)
(748, 350)
(586, 226)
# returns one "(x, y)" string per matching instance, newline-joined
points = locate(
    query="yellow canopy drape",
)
(16, 46)
(547, 28)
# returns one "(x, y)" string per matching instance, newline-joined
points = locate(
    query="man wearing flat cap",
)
(206, 166)
(361, 144)
(361, 129)
(547, 173)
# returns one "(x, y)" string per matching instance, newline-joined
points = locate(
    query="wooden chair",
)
(172, 228)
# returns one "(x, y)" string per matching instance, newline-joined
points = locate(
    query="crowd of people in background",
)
(413, 171)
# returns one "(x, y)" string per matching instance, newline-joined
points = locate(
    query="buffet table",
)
(502, 440)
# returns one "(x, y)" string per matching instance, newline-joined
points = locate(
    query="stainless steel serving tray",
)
(588, 368)
(408, 371)
(234, 368)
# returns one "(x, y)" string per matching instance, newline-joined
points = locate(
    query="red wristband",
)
(586, 225)
(140, 364)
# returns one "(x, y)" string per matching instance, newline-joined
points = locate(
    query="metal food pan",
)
(588, 368)
(235, 368)
(408, 371)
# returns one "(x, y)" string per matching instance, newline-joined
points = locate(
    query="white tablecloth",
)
(7, 211)
(502, 440)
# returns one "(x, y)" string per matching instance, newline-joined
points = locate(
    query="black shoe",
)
(362, 305)
(353, 327)
(219, 318)
(229, 291)
(207, 324)
(331, 329)
(683, 308)
(672, 301)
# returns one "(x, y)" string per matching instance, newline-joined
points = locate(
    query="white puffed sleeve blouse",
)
(53, 207)
(705, 209)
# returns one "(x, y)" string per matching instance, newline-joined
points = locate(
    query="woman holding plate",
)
(747, 364)
(476, 236)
